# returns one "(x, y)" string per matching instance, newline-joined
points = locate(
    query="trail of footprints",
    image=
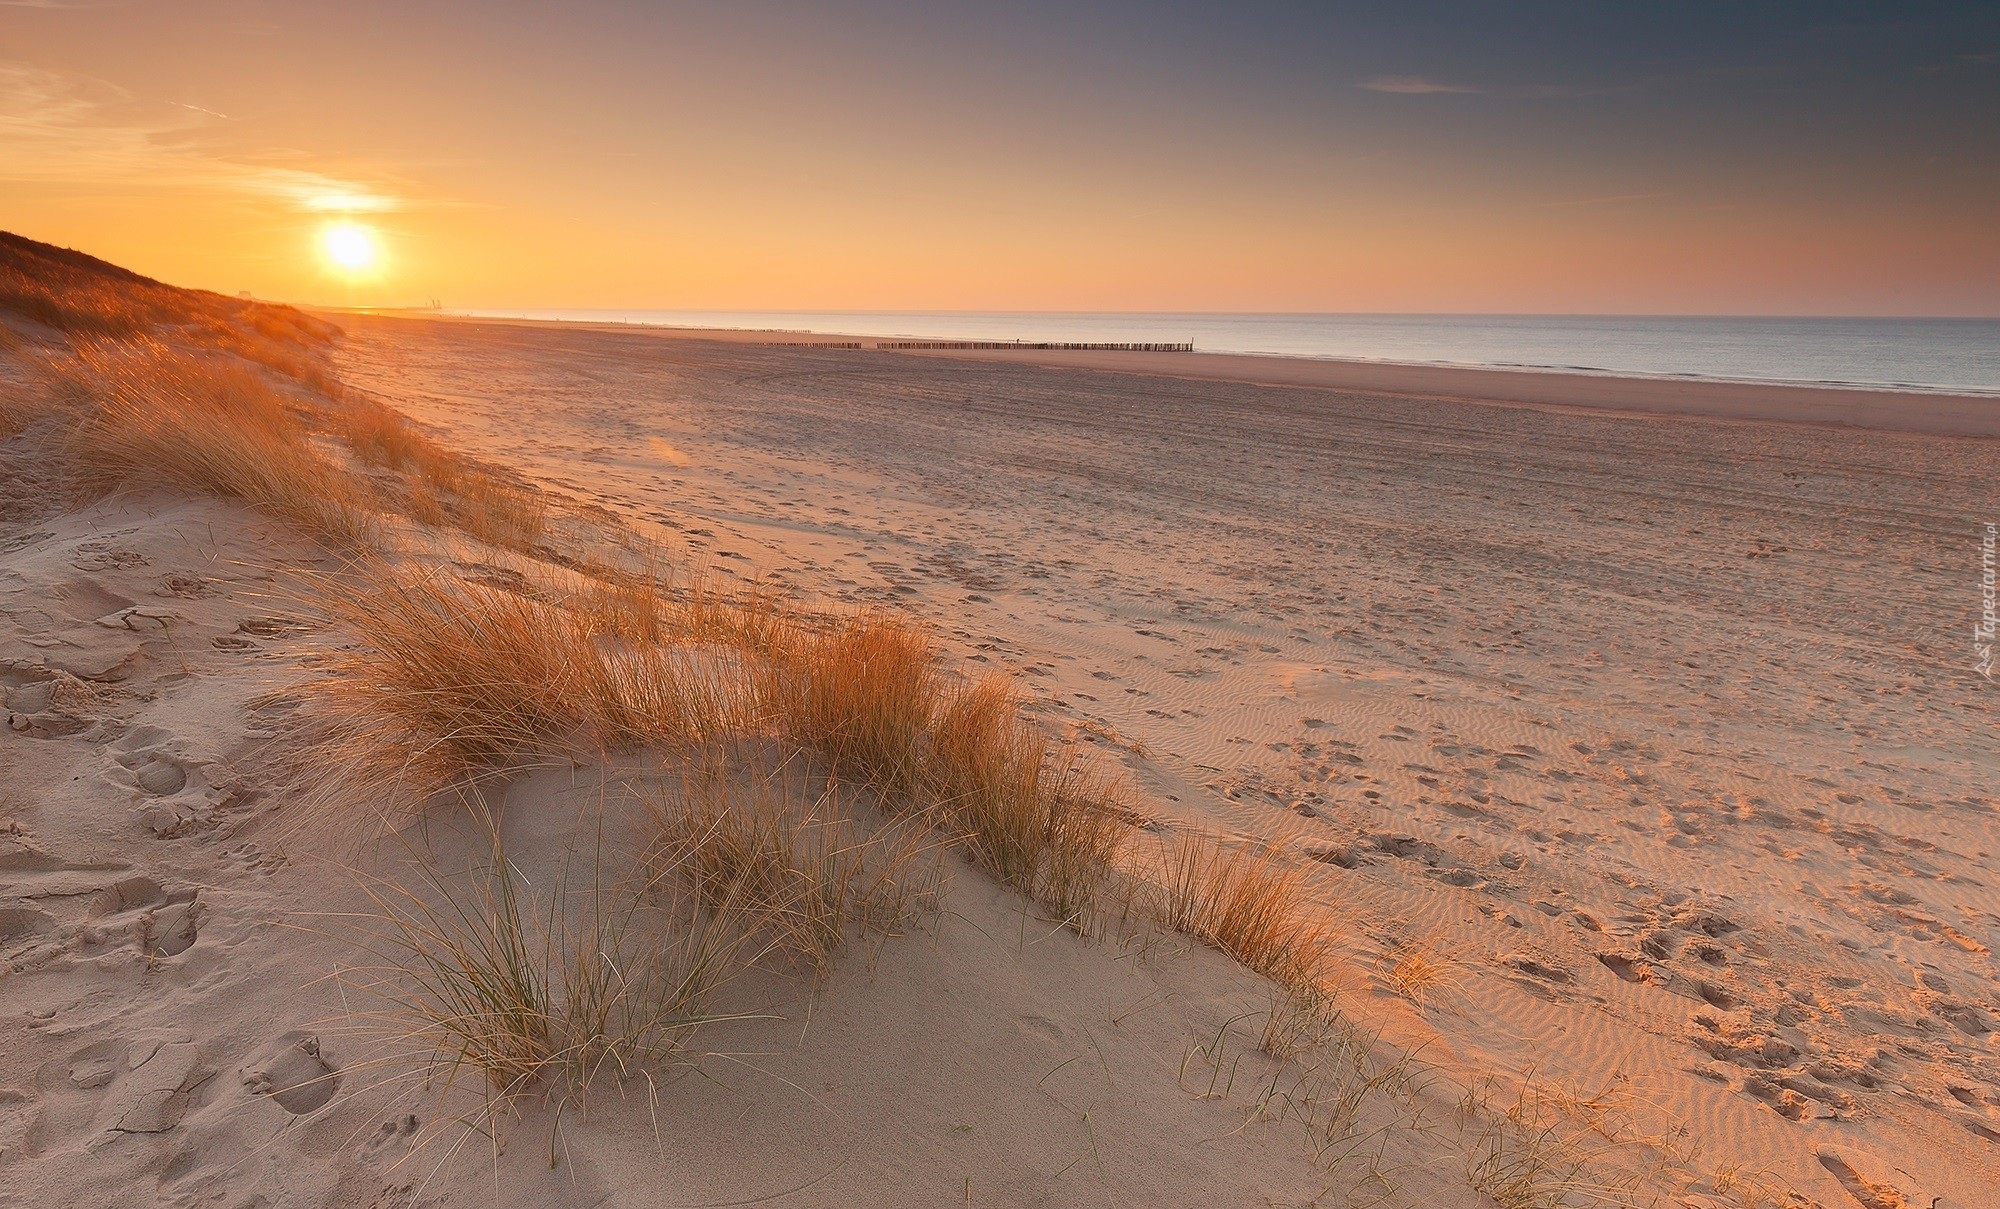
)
(1817, 1049)
(117, 924)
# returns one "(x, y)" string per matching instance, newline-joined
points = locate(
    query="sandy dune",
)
(1659, 735)
(187, 1018)
(1639, 763)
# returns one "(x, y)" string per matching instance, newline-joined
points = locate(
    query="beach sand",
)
(1638, 761)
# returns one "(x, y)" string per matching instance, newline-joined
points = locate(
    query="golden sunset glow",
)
(351, 248)
(1353, 164)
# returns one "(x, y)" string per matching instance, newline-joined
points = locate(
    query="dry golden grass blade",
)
(673, 697)
(453, 680)
(1245, 903)
(213, 425)
(864, 692)
(790, 858)
(1035, 819)
(541, 992)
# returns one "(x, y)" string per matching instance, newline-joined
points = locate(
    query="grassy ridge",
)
(589, 649)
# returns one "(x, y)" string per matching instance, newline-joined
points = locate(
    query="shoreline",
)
(1931, 413)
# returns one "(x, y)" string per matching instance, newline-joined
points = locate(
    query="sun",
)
(351, 247)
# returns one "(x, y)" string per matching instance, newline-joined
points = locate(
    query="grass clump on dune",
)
(540, 992)
(1245, 903)
(1035, 818)
(451, 677)
(789, 858)
(866, 692)
(442, 487)
(454, 680)
(146, 412)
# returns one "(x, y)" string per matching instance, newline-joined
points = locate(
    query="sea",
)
(1939, 355)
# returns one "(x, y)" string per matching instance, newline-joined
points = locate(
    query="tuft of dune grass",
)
(149, 413)
(506, 515)
(1035, 818)
(542, 991)
(866, 692)
(381, 436)
(451, 676)
(442, 486)
(863, 692)
(788, 858)
(1245, 903)
(453, 680)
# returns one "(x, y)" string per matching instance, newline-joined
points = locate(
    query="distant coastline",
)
(1929, 412)
(1949, 356)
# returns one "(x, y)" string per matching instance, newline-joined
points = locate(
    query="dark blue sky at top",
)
(1837, 90)
(1828, 72)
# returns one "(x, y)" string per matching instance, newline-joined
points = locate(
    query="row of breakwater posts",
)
(950, 345)
(1046, 346)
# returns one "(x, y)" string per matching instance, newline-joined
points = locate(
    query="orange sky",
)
(876, 156)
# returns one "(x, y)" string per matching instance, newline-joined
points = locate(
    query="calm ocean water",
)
(1961, 355)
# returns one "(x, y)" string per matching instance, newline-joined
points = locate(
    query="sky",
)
(1684, 158)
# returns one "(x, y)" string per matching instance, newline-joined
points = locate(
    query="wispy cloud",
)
(1423, 85)
(1612, 199)
(1410, 85)
(61, 129)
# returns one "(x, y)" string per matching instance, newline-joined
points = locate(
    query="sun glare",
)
(350, 247)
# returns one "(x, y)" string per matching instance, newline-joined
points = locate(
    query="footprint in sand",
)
(1872, 1185)
(22, 928)
(175, 791)
(275, 627)
(185, 587)
(294, 1073)
(169, 921)
(393, 1133)
(149, 1080)
(55, 706)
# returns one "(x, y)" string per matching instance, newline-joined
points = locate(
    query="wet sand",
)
(1935, 412)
